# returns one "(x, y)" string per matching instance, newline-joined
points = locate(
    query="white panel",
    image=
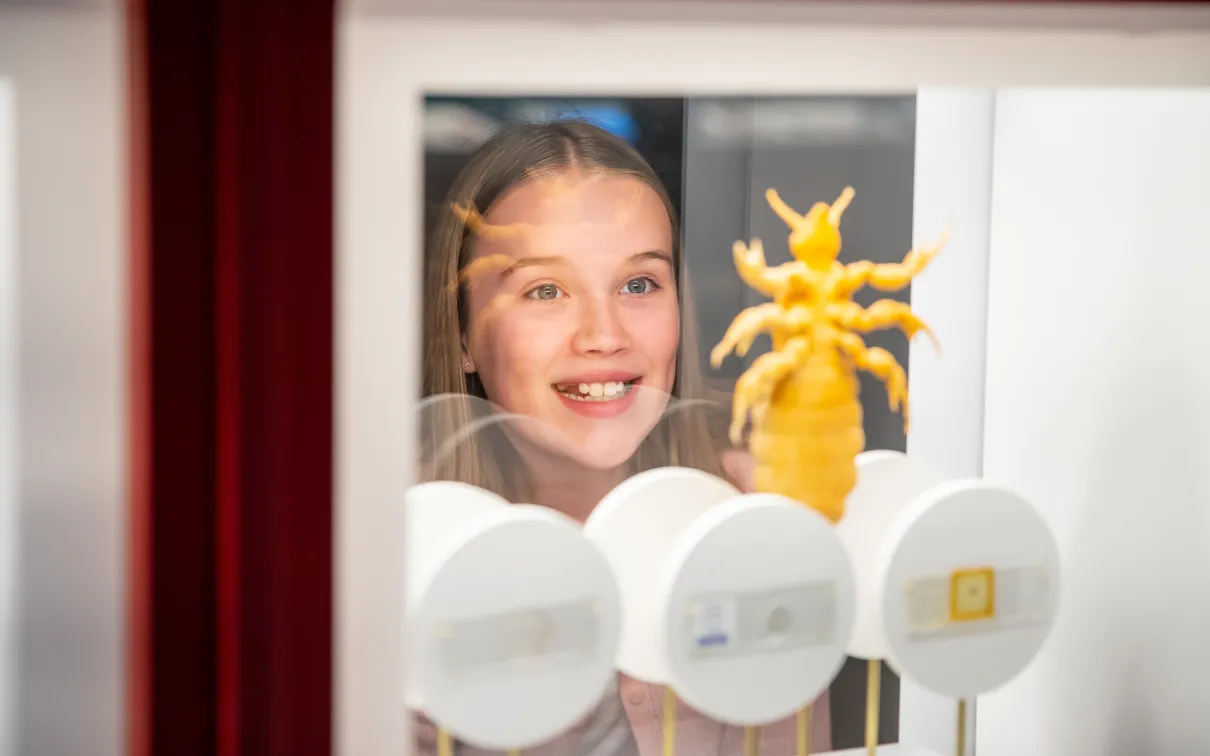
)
(1097, 409)
(66, 68)
(953, 190)
(8, 415)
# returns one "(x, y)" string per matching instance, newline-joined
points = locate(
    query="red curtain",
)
(231, 108)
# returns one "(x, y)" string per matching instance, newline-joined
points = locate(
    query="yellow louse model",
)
(802, 395)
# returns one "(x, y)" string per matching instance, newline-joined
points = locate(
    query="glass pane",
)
(535, 345)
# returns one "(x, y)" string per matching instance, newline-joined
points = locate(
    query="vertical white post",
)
(63, 361)
(378, 314)
(952, 190)
(8, 413)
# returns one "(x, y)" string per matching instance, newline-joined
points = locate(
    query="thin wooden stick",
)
(751, 741)
(960, 748)
(669, 721)
(873, 685)
(445, 744)
(803, 720)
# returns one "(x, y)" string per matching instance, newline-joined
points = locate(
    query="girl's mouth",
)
(606, 391)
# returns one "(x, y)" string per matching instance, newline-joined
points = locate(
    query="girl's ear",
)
(468, 364)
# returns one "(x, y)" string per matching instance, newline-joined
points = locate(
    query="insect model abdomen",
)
(806, 445)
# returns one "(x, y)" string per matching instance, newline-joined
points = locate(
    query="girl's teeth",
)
(601, 392)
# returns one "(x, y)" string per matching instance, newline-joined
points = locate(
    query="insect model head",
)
(815, 237)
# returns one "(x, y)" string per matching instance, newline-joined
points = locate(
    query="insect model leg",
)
(885, 313)
(745, 328)
(891, 276)
(751, 266)
(755, 387)
(881, 364)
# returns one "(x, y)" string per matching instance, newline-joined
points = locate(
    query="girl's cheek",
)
(524, 334)
(657, 323)
(496, 315)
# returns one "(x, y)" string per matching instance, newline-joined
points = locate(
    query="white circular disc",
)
(887, 481)
(635, 526)
(971, 588)
(758, 607)
(436, 511)
(513, 639)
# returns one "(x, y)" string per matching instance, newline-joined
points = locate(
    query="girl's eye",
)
(640, 285)
(544, 292)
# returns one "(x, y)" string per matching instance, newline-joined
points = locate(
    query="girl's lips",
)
(605, 405)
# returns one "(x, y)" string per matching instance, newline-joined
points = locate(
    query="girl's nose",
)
(600, 330)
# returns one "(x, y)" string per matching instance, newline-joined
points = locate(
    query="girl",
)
(554, 289)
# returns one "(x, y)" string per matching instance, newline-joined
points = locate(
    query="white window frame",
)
(393, 52)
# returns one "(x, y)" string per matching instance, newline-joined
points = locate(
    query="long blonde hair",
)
(682, 437)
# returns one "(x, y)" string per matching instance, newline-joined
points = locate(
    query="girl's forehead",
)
(595, 199)
(597, 215)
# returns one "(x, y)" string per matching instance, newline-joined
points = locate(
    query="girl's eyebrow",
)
(499, 262)
(652, 254)
(529, 262)
(507, 268)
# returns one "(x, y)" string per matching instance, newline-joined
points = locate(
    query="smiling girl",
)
(556, 290)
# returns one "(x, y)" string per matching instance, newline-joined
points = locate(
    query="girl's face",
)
(573, 315)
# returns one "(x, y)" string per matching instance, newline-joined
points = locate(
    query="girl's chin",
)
(598, 456)
(602, 462)
(599, 451)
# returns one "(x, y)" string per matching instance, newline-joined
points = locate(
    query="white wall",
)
(1098, 408)
(64, 677)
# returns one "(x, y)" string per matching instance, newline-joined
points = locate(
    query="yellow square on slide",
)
(972, 594)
